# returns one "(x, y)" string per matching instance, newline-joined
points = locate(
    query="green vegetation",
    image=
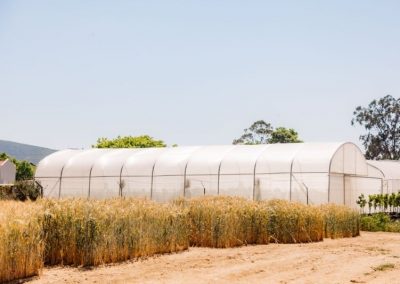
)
(25, 170)
(381, 120)
(261, 132)
(91, 232)
(386, 216)
(284, 135)
(143, 141)
(379, 222)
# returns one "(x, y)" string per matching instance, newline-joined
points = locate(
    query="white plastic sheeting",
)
(312, 173)
(391, 174)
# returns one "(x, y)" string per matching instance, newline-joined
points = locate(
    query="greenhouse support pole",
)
(152, 181)
(255, 168)
(184, 179)
(120, 180)
(291, 179)
(219, 175)
(90, 180)
(61, 174)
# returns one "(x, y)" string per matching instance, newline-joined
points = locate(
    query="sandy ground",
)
(356, 260)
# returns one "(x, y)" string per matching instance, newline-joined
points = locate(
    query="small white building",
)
(7, 172)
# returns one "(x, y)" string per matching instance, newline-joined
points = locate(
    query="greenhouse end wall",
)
(312, 173)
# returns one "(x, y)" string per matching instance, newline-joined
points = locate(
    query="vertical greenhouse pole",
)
(219, 175)
(291, 179)
(254, 180)
(184, 179)
(152, 180)
(59, 189)
(90, 179)
(291, 171)
(254, 171)
(120, 179)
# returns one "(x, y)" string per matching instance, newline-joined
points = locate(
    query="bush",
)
(21, 190)
(379, 222)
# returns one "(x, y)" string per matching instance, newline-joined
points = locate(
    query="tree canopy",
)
(381, 121)
(284, 135)
(143, 141)
(261, 132)
(24, 169)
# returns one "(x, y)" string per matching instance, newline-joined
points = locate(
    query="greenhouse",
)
(311, 173)
(390, 171)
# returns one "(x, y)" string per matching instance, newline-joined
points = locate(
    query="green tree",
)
(385, 201)
(392, 201)
(361, 202)
(370, 202)
(261, 132)
(381, 120)
(143, 141)
(24, 169)
(258, 133)
(284, 135)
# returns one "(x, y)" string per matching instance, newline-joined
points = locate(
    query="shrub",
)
(379, 222)
(21, 190)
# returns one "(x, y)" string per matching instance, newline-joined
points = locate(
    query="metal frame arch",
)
(291, 169)
(267, 146)
(187, 162)
(152, 170)
(122, 168)
(340, 146)
(62, 170)
(220, 164)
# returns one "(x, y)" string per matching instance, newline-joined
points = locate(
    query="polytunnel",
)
(390, 171)
(311, 173)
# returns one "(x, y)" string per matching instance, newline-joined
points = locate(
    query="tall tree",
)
(261, 132)
(381, 120)
(143, 141)
(258, 133)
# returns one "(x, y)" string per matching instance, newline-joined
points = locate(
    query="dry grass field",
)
(88, 233)
(370, 258)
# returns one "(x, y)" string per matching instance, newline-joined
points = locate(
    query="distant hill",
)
(26, 152)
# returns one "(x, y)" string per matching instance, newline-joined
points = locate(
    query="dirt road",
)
(371, 258)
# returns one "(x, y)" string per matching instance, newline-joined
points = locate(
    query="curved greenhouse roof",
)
(391, 174)
(306, 172)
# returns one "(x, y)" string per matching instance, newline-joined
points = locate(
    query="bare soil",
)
(371, 258)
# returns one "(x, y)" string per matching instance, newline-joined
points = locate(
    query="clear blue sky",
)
(191, 72)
